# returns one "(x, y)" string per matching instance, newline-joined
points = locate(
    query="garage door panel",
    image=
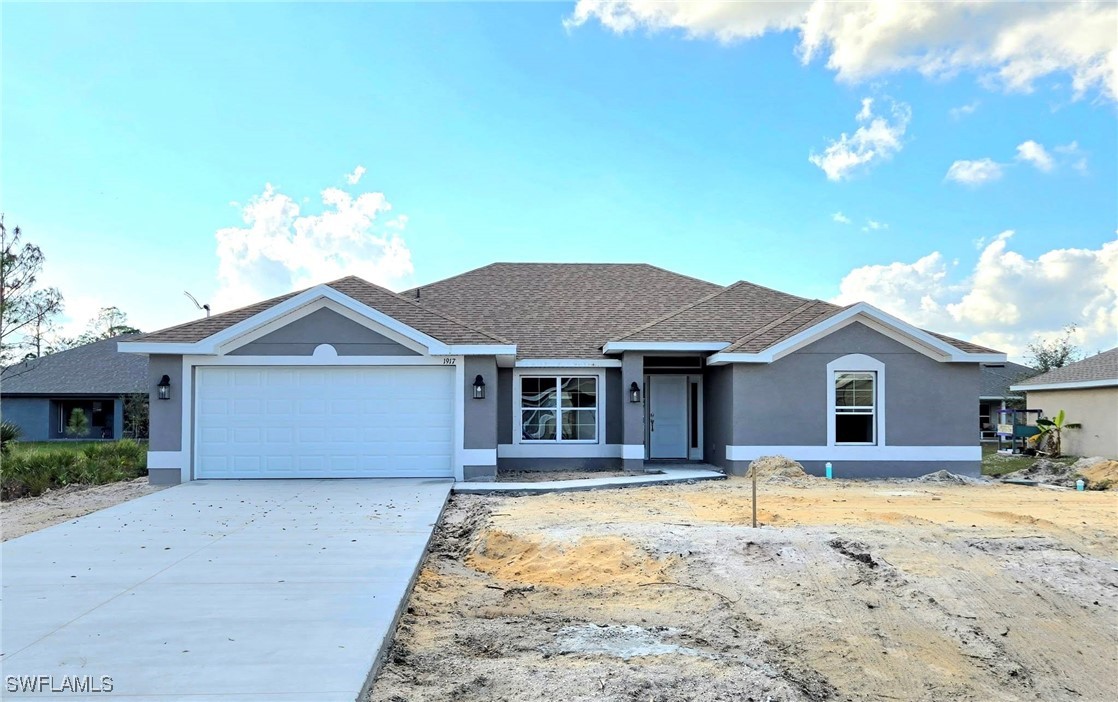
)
(324, 422)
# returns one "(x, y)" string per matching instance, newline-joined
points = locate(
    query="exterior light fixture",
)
(164, 388)
(634, 393)
(479, 388)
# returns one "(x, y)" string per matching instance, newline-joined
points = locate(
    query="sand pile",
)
(1100, 473)
(589, 562)
(775, 467)
(943, 476)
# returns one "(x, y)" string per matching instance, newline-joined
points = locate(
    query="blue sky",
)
(134, 133)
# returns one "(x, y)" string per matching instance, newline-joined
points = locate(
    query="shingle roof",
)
(1101, 366)
(562, 310)
(428, 321)
(996, 379)
(96, 368)
(570, 310)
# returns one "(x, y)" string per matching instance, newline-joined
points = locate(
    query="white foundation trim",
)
(158, 460)
(630, 451)
(479, 457)
(857, 453)
(557, 450)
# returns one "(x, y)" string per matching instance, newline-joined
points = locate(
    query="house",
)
(554, 365)
(996, 395)
(1087, 392)
(39, 395)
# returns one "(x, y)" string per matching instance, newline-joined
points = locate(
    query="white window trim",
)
(518, 418)
(856, 363)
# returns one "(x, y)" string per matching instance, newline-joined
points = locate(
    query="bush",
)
(33, 472)
(9, 434)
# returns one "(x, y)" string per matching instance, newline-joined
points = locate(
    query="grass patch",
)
(996, 465)
(32, 469)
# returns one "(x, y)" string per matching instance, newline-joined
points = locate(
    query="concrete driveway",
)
(230, 590)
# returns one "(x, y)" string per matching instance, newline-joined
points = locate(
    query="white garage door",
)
(316, 422)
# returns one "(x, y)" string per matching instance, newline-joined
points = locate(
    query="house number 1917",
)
(449, 361)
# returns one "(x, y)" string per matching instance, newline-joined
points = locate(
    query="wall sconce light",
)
(164, 388)
(634, 393)
(479, 388)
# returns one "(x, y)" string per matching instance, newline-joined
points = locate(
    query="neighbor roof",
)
(428, 321)
(562, 310)
(996, 379)
(1098, 368)
(92, 369)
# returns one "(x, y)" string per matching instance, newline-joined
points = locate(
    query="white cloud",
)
(355, 177)
(877, 139)
(957, 113)
(1011, 45)
(872, 225)
(840, 218)
(1072, 154)
(974, 173)
(281, 249)
(1034, 153)
(1006, 301)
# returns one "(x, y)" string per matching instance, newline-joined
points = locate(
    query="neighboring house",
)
(996, 395)
(39, 394)
(1087, 391)
(550, 366)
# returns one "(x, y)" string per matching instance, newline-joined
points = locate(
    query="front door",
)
(667, 416)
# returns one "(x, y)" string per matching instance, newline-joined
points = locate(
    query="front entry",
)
(667, 416)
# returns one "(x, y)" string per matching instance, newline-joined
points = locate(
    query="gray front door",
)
(667, 416)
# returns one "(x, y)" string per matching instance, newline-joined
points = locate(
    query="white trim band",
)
(479, 457)
(857, 453)
(560, 450)
(632, 451)
(619, 346)
(163, 460)
(568, 363)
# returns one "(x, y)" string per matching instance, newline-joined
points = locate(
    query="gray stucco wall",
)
(165, 416)
(299, 338)
(927, 403)
(718, 414)
(480, 416)
(31, 414)
(504, 405)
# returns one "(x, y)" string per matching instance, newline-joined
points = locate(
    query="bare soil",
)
(539, 476)
(899, 590)
(28, 514)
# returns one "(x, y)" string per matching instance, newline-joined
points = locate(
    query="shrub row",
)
(34, 471)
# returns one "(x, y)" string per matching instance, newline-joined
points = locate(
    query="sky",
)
(956, 165)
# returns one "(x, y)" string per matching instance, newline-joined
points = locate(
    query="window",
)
(559, 408)
(855, 407)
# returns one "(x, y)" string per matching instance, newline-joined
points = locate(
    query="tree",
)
(1046, 354)
(1051, 433)
(21, 304)
(136, 412)
(78, 426)
(109, 322)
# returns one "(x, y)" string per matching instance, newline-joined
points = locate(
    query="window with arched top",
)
(856, 401)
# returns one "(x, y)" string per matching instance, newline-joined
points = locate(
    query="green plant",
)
(9, 434)
(78, 425)
(33, 471)
(1051, 433)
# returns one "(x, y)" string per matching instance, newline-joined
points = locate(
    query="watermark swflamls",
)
(58, 684)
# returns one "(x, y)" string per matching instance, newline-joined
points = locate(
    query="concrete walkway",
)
(676, 473)
(219, 590)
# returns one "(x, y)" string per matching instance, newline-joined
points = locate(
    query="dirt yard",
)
(28, 514)
(850, 591)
